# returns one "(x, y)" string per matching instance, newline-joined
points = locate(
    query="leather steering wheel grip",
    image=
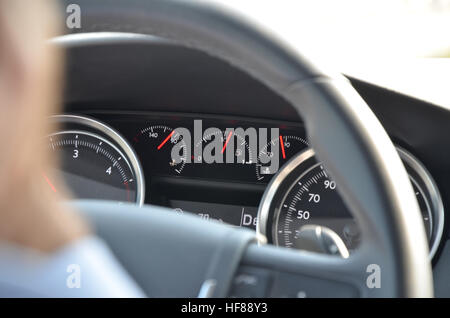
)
(342, 129)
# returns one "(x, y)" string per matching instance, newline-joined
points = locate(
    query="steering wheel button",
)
(298, 286)
(250, 282)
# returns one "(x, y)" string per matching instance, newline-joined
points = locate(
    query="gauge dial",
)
(158, 142)
(313, 199)
(92, 167)
(288, 146)
(306, 195)
(217, 143)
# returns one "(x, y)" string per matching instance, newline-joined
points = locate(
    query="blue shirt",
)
(84, 268)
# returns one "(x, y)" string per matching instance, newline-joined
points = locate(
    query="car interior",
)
(361, 185)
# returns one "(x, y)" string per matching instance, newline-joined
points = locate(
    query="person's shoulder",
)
(84, 268)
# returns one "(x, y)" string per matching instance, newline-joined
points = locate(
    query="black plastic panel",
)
(163, 77)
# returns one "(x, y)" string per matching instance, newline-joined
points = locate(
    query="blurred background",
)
(393, 43)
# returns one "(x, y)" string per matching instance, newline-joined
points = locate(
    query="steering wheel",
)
(179, 256)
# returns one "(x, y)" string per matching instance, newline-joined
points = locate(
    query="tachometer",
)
(96, 163)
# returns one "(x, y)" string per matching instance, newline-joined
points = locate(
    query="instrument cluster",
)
(254, 173)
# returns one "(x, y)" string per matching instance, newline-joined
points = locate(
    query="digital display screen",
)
(237, 215)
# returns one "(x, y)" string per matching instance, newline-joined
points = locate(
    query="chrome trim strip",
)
(271, 190)
(207, 288)
(437, 208)
(106, 37)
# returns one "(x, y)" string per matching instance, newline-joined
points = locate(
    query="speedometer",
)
(303, 194)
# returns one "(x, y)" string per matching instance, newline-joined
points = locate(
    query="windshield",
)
(392, 43)
(350, 30)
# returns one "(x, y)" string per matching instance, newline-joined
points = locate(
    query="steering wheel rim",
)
(345, 134)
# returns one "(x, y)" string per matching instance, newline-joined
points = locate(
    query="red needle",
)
(282, 147)
(226, 141)
(49, 182)
(165, 140)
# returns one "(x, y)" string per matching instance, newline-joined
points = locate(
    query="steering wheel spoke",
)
(268, 271)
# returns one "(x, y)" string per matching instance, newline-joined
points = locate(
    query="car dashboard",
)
(126, 99)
